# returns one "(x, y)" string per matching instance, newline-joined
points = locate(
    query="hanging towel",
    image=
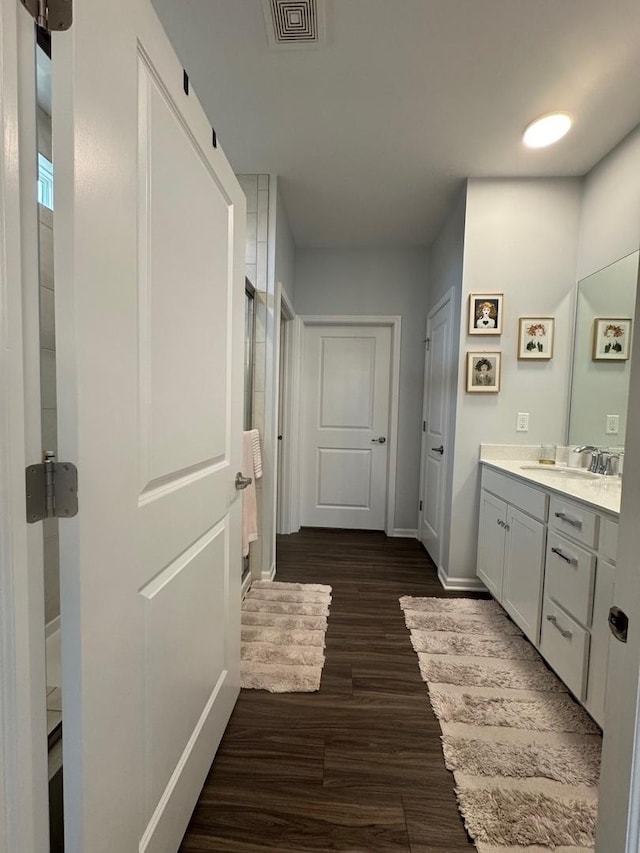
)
(251, 467)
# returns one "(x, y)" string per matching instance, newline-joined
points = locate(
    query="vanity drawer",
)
(574, 520)
(569, 577)
(609, 538)
(565, 645)
(529, 500)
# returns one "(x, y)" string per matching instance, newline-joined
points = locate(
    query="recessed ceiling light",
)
(547, 129)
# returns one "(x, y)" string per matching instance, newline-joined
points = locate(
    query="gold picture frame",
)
(535, 338)
(485, 313)
(483, 372)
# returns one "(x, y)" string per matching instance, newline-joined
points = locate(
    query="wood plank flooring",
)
(357, 766)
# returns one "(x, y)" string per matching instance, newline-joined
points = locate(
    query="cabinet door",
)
(524, 571)
(600, 639)
(491, 538)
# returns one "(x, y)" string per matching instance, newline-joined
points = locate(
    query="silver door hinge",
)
(52, 490)
(427, 343)
(51, 15)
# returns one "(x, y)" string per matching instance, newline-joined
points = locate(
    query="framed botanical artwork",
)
(483, 372)
(611, 339)
(535, 338)
(485, 313)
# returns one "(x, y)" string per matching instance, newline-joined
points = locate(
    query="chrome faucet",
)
(612, 466)
(596, 457)
(603, 461)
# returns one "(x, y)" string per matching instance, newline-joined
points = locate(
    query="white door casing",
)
(149, 266)
(435, 435)
(23, 744)
(346, 409)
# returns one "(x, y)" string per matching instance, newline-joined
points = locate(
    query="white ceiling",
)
(372, 134)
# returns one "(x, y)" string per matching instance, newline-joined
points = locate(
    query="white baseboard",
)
(246, 585)
(404, 533)
(270, 575)
(460, 584)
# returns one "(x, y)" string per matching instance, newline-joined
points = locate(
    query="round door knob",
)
(439, 450)
(380, 440)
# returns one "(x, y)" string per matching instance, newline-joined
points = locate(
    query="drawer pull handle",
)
(574, 522)
(564, 557)
(566, 634)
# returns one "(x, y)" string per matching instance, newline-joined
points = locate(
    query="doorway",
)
(439, 385)
(284, 414)
(348, 421)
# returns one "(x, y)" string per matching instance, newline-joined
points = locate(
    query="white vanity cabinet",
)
(578, 589)
(511, 547)
(550, 561)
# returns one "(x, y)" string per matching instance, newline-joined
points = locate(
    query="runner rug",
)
(283, 629)
(524, 754)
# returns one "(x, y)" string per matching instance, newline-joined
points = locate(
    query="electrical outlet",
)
(522, 422)
(613, 425)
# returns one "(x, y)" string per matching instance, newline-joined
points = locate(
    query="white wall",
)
(378, 281)
(281, 266)
(285, 250)
(446, 261)
(610, 221)
(521, 239)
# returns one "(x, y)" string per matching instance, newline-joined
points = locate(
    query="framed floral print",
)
(611, 339)
(535, 338)
(485, 313)
(483, 372)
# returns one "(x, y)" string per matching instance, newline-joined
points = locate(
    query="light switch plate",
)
(522, 422)
(613, 425)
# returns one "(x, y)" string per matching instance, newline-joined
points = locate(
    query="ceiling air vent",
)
(294, 23)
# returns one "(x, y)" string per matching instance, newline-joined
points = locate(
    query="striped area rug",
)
(524, 754)
(283, 629)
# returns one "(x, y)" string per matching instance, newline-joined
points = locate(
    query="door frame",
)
(394, 322)
(448, 298)
(23, 741)
(283, 449)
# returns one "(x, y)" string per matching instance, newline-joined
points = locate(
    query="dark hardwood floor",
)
(357, 766)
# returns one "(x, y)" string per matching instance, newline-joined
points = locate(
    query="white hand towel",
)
(250, 468)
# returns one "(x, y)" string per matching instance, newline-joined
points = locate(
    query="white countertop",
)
(602, 493)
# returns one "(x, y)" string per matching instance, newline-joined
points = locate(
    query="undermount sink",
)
(562, 472)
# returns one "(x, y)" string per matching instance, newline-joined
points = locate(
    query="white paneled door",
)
(150, 224)
(345, 423)
(435, 452)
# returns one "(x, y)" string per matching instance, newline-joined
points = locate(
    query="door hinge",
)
(427, 343)
(52, 490)
(420, 505)
(51, 15)
(424, 426)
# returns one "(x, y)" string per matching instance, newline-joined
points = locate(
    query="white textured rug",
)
(283, 630)
(524, 754)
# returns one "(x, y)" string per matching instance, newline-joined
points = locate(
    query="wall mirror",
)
(600, 378)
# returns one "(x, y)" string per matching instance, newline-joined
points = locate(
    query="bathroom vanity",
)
(547, 551)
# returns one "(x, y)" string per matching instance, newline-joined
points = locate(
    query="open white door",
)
(619, 815)
(23, 732)
(149, 266)
(438, 369)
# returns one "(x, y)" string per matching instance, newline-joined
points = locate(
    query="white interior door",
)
(347, 373)
(23, 729)
(149, 266)
(619, 815)
(435, 453)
